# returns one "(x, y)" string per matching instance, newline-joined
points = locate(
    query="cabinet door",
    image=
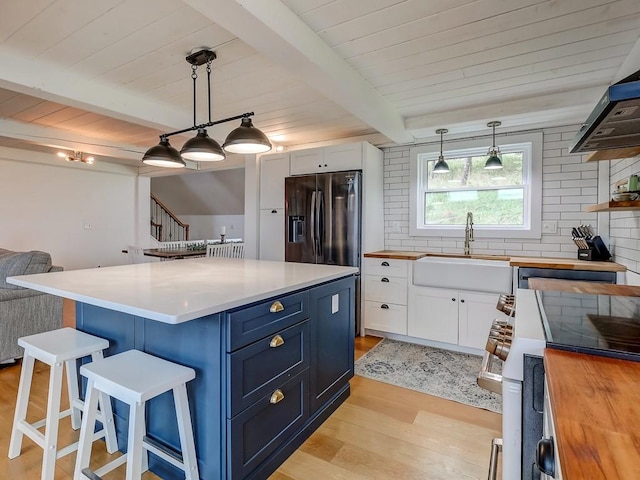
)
(273, 170)
(272, 234)
(385, 289)
(307, 161)
(476, 312)
(332, 325)
(385, 317)
(343, 157)
(433, 314)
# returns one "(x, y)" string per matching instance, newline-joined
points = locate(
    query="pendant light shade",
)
(441, 165)
(163, 155)
(247, 139)
(202, 148)
(493, 162)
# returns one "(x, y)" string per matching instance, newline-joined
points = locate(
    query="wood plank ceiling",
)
(107, 77)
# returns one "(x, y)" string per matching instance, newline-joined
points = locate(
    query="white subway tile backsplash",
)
(569, 185)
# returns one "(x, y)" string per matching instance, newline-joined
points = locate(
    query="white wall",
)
(568, 186)
(625, 226)
(83, 215)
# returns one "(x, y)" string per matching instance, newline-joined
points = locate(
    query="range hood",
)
(614, 122)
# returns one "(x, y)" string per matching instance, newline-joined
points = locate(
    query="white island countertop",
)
(182, 290)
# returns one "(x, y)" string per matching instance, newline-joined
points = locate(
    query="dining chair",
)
(226, 250)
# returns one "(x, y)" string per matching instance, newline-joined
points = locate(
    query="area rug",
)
(443, 373)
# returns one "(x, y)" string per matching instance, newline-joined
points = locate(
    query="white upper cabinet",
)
(334, 158)
(274, 169)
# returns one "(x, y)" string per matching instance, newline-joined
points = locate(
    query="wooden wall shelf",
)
(613, 154)
(614, 206)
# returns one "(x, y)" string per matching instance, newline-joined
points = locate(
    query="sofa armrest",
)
(7, 294)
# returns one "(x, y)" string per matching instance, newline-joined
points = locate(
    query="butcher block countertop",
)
(596, 414)
(591, 288)
(535, 262)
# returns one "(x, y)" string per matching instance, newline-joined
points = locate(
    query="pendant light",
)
(493, 162)
(163, 155)
(245, 139)
(202, 148)
(441, 166)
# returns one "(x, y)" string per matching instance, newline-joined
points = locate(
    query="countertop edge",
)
(23, 281)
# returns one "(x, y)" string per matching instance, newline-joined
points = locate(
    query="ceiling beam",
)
(45, 80)
(56, 138)
(281, 36)
(563, 108)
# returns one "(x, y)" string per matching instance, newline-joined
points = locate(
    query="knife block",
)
(597, 250)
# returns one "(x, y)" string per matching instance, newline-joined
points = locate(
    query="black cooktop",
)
(606, 325)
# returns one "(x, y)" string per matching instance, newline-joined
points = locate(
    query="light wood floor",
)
(380, 432)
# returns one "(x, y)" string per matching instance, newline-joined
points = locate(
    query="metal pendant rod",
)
(209, 124)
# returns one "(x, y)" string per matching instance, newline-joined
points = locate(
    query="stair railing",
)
(165, 226)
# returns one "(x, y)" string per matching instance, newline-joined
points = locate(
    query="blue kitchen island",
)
(271, 344)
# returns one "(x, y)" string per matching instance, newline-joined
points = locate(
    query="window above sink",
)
(505, 202)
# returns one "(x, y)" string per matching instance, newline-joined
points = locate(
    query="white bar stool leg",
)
(74, 394)
(53, 415)
(107, 414)
(86, 431)
(24, 390)
(185, 430)
(134, 447)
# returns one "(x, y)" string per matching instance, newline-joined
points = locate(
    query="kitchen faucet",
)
(468, 233)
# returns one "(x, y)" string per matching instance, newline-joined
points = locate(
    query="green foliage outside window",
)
(496, 197)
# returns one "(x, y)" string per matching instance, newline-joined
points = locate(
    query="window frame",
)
(531, 179)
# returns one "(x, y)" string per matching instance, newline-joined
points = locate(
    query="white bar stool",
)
(57, 348)
(135, 377)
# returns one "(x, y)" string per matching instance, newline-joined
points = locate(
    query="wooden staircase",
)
(165, 225)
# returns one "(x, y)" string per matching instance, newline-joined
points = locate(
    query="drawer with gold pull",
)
(257, 321)
(265, 364)
(260, 429)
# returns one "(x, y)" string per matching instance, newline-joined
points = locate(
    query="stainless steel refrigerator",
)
(323, 221)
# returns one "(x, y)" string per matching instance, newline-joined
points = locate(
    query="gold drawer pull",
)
(276, 307)
(276, 341)
(276, 397)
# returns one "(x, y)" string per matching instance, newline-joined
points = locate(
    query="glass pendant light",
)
(247, 139)
(493, 162)
(163, 155)
(441, 166)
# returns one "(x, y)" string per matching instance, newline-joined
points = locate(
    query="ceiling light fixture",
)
(245, 139)
(76, 157)
(493, 162)
(441, 166)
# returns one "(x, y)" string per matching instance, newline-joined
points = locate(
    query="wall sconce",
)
(76, 157)
(493, 162)
(245, 139)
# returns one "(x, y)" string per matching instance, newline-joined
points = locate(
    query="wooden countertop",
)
(575, 286)
(535, 262)
(596, 415)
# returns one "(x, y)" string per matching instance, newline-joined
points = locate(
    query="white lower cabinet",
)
(385, 294)
(451, 316)
(434, 314)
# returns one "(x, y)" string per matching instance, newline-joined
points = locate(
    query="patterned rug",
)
(443, 373)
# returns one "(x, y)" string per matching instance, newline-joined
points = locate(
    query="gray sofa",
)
(24, 311)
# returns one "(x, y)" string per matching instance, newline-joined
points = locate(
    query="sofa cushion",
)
(22, 263)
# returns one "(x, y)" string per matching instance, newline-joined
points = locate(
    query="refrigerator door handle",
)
(313, 222)
(321, 226)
